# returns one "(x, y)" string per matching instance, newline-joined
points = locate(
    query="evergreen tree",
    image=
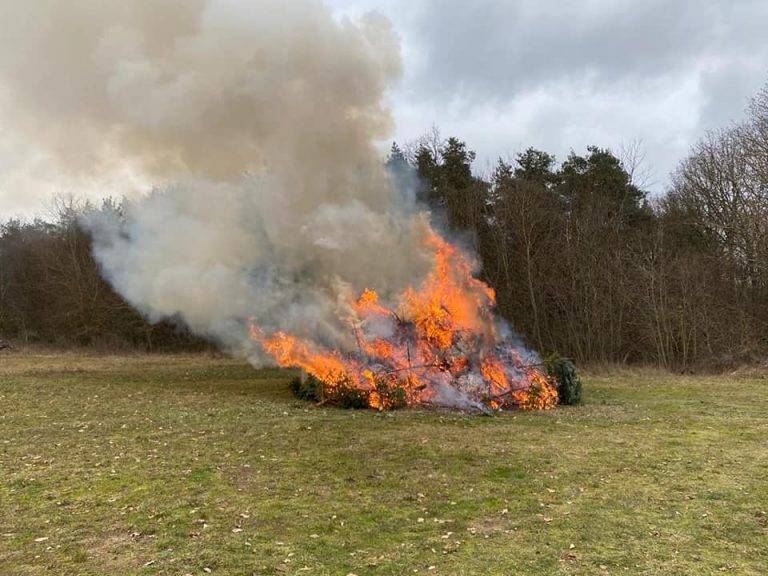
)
(535, 166)
(598, 181)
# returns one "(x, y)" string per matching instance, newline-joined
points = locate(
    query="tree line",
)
(52, 291)
(584, 261)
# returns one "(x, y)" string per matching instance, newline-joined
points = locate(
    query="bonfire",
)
(440, 344)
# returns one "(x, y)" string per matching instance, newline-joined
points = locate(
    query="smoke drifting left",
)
(275, 213)
(259, 118)
(179, 87)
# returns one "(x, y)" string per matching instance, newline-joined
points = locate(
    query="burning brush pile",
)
(439, 344)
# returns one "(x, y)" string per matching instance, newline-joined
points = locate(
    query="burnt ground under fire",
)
(185, 465)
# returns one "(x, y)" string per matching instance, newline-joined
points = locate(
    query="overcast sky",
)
(559, 75)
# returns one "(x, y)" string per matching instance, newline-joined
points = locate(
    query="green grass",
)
(180, 465)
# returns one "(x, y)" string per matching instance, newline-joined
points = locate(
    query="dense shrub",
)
(346, 395)
(388, 393)
(307, 388)
(567, 380)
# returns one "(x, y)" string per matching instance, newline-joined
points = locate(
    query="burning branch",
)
(441, 350)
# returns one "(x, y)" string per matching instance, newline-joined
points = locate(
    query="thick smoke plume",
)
(260, 119)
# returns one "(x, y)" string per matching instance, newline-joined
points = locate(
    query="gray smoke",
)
(259, 119)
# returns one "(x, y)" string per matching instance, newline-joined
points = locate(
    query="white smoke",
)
(259, 119)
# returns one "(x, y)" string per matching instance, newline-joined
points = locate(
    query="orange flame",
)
(443, 337)
(289, 351)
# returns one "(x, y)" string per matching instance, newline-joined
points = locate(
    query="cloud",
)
(495, 49)
(505, 75)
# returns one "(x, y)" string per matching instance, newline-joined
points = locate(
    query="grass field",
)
(195, 465)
